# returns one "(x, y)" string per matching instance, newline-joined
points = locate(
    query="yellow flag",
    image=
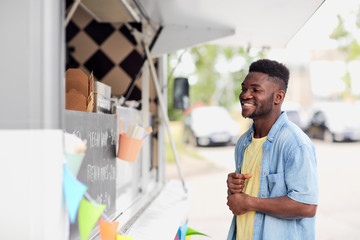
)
(123, 237)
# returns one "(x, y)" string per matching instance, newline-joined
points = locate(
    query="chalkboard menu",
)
(98, 169)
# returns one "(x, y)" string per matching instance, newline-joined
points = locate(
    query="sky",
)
(315, 33)
(325, 75)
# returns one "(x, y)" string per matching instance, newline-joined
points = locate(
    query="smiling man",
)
(273, 193)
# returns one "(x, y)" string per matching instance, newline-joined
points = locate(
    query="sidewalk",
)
(338, 208)
(208, 212)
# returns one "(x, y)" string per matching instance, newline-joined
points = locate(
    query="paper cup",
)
(129, 148)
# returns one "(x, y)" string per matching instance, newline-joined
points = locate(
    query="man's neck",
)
(262, 126)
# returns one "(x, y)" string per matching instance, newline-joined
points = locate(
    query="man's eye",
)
(256, 90)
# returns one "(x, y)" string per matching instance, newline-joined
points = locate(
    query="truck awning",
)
(258, 23)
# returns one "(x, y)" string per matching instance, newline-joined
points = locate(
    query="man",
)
(274, 191)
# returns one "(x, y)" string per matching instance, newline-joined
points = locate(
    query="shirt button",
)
(262, 195)
(264, 173)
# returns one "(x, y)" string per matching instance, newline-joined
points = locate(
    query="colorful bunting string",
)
(88, 211)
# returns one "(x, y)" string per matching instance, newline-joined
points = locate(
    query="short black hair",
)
(278, 71)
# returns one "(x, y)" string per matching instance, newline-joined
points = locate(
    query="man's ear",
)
(279, 97)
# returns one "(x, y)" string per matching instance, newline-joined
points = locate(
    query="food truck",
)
(92, 70)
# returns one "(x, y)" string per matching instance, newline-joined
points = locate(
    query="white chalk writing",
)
(104, 198)
(77, 133)
(113, 137)
(104, 138)
(94, 139)
(96, 173)
(100, 138)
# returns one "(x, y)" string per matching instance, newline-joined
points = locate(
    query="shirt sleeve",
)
(237, 156)
(301, 175)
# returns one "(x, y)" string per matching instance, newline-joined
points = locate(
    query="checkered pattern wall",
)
(106, 49)
(111, 53)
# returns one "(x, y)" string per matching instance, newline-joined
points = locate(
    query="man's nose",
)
(244, 95)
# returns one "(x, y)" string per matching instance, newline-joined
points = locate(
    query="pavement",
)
(208, 211)
(338, 210)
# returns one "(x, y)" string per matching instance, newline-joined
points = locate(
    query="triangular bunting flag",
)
(88, 216)
(73, 191)
(74, 161)
(178, 234)
(191, 231)
(108, 229)
(123, 237)
(184, 229)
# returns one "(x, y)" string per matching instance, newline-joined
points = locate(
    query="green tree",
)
(204, 58)
(215, 85)
(348, 44)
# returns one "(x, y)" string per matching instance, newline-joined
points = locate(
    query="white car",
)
(297, 114)
(335, 122)
(210, 125)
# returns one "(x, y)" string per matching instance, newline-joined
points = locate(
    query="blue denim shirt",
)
(288, 168)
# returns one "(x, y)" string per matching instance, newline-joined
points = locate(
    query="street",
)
(339, 190)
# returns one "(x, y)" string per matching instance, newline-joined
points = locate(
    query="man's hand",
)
(236, 182)
(238, 203)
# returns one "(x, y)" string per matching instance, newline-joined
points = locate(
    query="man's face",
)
(257, 96)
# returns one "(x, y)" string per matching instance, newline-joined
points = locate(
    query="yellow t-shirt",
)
(251, 164)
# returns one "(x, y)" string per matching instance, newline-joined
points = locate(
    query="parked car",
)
(296, 114)
(336, 122)
(210, 125)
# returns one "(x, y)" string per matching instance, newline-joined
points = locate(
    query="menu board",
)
(98, 169)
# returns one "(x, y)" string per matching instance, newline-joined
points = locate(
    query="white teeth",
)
(248, 104)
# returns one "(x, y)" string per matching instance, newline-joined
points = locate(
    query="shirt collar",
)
(274, 129)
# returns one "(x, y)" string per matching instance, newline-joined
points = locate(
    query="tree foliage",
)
(215, 85)
(339, 32)
(204, 58)
(348, 44)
